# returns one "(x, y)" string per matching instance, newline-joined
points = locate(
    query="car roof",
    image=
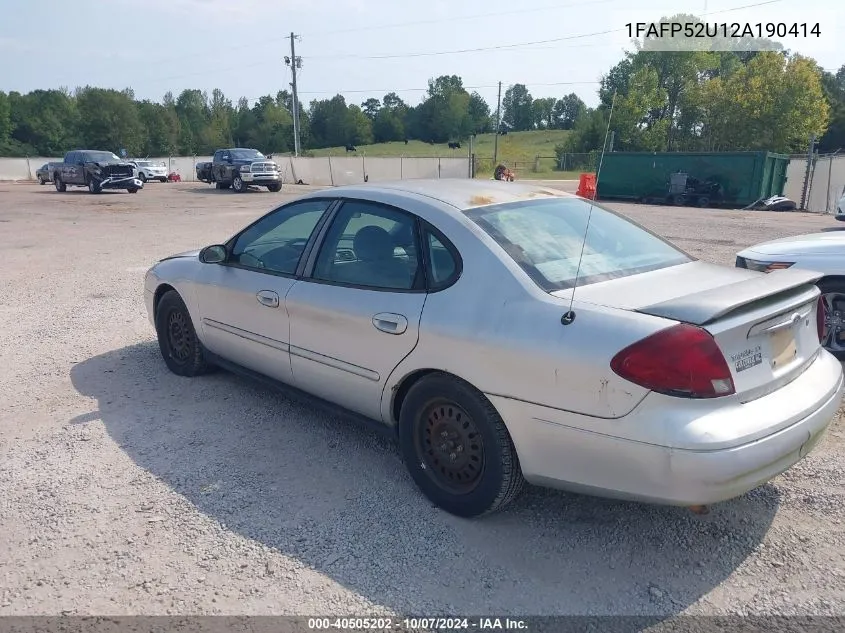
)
(461, 193)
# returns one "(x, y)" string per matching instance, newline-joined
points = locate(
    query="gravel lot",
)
(125, 489)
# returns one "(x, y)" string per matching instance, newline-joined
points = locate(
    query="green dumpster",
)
(745, 177)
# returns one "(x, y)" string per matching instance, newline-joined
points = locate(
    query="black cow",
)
(454, 146)
(351, 148)
(406, 141)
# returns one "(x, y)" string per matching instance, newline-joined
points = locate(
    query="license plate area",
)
(783, 347)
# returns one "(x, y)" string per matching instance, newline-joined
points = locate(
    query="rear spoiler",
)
(705, 307)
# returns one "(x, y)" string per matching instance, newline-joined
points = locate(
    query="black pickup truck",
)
(96, 170)
(239, 168)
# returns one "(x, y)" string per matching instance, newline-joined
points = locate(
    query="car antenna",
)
(569, 315)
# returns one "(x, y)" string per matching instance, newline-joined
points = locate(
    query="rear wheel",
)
(833, 335)
(177, 339)
(60, 186)
(457, 448)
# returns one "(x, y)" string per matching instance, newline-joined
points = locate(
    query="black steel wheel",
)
(177, 339)
(457, 447)
(833, 320)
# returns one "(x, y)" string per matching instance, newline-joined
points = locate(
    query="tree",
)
(834, 90)
(5, 119)
(517, 110)
(108, 120)
(371, 107)
(542, 111)
(479, 114)
(566, 111)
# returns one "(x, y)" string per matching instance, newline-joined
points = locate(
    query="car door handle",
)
(268, 298)
(390, 323)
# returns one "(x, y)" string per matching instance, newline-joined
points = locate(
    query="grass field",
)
(517, 150)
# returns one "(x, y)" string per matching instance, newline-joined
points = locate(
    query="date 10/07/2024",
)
(727, 30)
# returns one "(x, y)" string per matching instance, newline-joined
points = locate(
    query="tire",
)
(703, 202)
(132, 190)
(41, 180)
(679, 200)
(93, 186)
(274, 188)
(833, 292)
(59, 185)
(164, 179)
(142, 177)
(238, 185)
(437, 404)
(177, 339)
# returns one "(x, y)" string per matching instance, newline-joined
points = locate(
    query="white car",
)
(820, 252)
(149, 170)
(447, 310)
(840, 208)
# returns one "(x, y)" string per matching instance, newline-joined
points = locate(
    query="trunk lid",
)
(764, 324)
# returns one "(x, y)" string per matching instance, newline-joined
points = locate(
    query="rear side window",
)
(545, 238)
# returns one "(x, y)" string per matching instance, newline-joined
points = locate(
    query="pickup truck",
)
(96, 170)
(239, 168)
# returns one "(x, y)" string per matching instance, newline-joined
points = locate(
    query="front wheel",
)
(238, 184)
(177, 339)
(833, 330)
(41, 180)
(142, 177)
(132, 190)
(457, 448)
(93, 186)
(275, 188)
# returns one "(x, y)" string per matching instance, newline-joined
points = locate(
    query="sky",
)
(358, 48)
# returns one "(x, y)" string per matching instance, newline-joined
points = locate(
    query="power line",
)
(518, 44)
(477, 16)
(384, 91)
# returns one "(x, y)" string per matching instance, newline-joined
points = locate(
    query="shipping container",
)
(744, 177)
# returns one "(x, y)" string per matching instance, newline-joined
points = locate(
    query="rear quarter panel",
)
(496, 329)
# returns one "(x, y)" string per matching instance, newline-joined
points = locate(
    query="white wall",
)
(340, 170)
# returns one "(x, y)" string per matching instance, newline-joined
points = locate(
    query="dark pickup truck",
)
(96, 170)
(239, 168)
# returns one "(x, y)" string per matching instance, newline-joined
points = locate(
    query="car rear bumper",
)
(559, 451)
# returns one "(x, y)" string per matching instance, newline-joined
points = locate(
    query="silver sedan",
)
(511, 333)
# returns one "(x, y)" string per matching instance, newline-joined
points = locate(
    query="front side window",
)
(275, 243)
(545, 238)
(370, 245)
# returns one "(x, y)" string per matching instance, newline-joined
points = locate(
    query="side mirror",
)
(215, 254)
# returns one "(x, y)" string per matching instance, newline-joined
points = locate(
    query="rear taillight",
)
(820, 314)
(682, 360)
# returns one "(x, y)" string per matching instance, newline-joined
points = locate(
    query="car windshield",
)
(246, 154)
(143, 163)
(101, 157)
(545, 238)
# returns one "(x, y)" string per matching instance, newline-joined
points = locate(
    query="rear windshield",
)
(101, 157)
(545, 238)
(246, 154)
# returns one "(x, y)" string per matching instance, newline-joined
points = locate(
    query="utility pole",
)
(294, 62)
(498, 126)
(808, 176)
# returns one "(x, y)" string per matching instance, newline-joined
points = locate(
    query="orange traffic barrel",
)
(587, 186)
